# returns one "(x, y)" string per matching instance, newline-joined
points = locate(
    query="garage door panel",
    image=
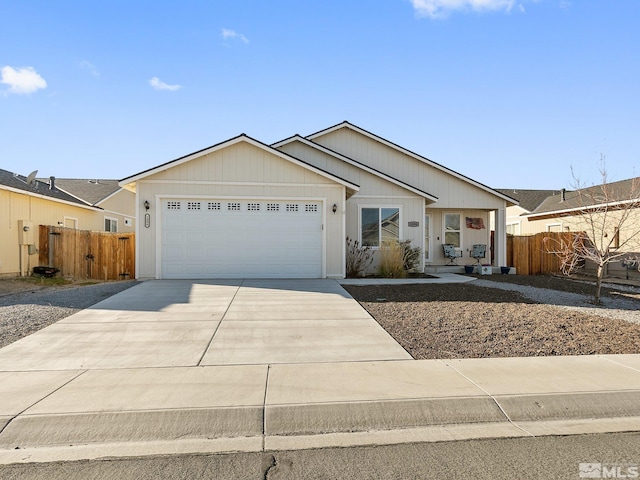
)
(203, 238)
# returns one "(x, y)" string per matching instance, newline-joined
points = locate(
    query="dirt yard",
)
(468, 321)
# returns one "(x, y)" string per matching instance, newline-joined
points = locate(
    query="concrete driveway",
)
(194, 366)
(165, 323)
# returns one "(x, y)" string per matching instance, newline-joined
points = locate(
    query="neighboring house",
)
(242, 208)
(116, 203)
(561, 211)
(30, 202)
(528, 200)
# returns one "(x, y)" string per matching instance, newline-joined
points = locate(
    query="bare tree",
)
(605, 225)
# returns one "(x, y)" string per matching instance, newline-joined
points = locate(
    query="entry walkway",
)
(177, 366)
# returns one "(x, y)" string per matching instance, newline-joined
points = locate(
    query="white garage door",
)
(203, 238)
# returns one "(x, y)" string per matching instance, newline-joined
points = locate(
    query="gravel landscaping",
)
(26, 308)
(496, 316)
(504, 316)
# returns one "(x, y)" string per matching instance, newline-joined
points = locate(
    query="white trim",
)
(113, 212)
(556, 224)
(444, 226)
(518, 223)
(157, 214)
(343, 212)
(111, 219)
(241, 197)
(231, 142)
(138, 239)
(378, 206)
(412, 155)
(44, 197)
(355, 164)
(383, 197)
(556, 213)
(427, 251)
(72, 195)
(75, 221)
(241, 184)
(323, 260)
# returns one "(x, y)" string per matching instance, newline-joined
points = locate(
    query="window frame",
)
(428, 240)
(112, 221)
(518, 226)
(444, 228)
(379, 208)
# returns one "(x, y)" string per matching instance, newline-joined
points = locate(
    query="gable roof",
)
(355, 163)
(414, 155)
(18, 183)
(90, 191)
(567, 202)
(240, 138)
(528, 199)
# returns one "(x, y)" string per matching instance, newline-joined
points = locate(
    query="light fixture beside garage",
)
(335, 208)
(147, 217)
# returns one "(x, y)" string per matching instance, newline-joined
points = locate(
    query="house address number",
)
(414, 224)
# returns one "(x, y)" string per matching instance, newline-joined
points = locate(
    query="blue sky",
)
(512, 93)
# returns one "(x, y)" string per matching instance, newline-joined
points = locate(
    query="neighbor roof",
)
(15, 182)
(529, 199)
(623, 191)
(91, 191)
(436, 165)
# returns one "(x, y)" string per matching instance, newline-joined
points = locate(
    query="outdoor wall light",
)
(335, 208)
(146, 205)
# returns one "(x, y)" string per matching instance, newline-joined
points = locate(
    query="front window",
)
(513, 228)
(452, 229)
(379, 225)
(110, 225)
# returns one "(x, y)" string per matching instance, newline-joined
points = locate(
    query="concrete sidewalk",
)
(153, 371)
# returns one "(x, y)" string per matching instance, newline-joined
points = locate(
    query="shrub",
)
(359, 258)
(392, 260)
(410, 255)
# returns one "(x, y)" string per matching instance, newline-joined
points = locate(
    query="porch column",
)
(500, 237)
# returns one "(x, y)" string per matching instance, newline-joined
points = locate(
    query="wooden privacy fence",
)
(90, 255)
(528, 255)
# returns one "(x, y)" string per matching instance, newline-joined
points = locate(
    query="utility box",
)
(485, 270)
(25, 232)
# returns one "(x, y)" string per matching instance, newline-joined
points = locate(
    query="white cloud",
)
(158, 84)
(232, 34)
(23, 80)
(441, 8)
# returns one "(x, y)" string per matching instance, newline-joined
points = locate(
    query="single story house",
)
(564, 210)
(27, 202)
(571, 210)
(242, 208)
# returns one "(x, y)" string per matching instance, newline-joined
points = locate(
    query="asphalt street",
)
(492, 459)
